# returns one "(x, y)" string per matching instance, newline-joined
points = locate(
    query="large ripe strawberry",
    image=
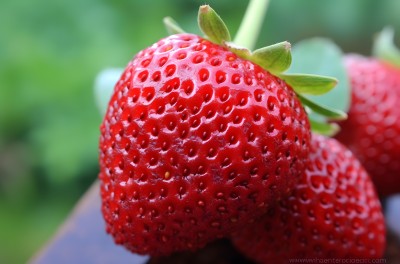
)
(194, 141)
(334, 212)
(198, 141)
(372, 130)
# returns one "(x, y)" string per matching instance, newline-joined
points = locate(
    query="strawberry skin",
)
(334, 212)
(195, 143)
(372, 130)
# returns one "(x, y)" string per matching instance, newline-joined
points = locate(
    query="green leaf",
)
(384, 47)
(212, 25)
(323, 57)
(309, 83)
(330, 113)
(275, 58)
(323, 128)
(104, 87)
(172, 26)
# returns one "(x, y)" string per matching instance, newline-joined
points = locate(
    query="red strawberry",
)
(196, 141)
(200, 138)
(372, 130)
(333, 213)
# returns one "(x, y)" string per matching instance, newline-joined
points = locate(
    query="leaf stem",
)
(251, 24)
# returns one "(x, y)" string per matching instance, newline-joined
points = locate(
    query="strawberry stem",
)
(250, 27)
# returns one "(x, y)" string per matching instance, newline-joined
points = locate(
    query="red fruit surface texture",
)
(372, 130)
(334, 212)
(196, 142)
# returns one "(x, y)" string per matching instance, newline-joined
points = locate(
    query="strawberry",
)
(199, 139)
(334, 212)
(193, 137)
(372, 130)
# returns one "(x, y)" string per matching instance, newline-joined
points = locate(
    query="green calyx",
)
(384, 47)
(276, 59)
(212, 25)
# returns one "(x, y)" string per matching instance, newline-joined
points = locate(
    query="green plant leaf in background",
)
(384, 47)
(323, 57)
(104, 86)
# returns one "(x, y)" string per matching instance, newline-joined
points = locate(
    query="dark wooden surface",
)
(82, 240)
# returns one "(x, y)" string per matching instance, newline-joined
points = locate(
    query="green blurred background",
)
(50, 53)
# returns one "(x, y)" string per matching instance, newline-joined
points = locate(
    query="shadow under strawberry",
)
(220, 251)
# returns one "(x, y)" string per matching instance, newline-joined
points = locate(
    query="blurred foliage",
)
(50, 53)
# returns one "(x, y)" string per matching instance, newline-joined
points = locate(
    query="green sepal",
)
(323, 128)
(172, 26)
(384, 47)
(242, 52)
(212, 25)
(309, 83)
(274, 58)
(329, 113)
